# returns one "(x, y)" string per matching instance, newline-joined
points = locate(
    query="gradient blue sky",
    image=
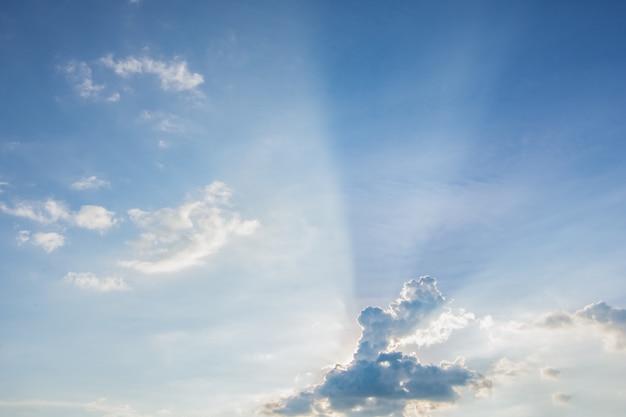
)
(200, 200)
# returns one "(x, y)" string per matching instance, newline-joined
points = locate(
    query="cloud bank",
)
(180, 237)
(380, 381)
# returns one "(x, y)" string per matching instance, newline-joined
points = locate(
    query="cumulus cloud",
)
(94, 218)
(379, 381)
(89, 281)
(174, 75)
(79, 74)
(90, 183)
(181, 237)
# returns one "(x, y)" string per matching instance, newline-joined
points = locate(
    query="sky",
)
(312, 208)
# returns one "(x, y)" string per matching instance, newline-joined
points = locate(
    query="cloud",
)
(610, 320)
(174, 75)
(2, 184)
(79, 74)
(382, 382)
(561, 398)
(52, 212)
(94, 218)
(549, 373)
(181, 237)
(90, 183)
(48, 241)
(407, 320)
(164, 122)
(100, 406)
(89, 281)
(46, 212)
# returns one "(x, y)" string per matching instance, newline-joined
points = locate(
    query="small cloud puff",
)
(174, 75)
(89, 281)
(560, 398)
(48, 241)
(549, 373)
(181, 237)
(90, 183)
(95, 218)
(382, 382)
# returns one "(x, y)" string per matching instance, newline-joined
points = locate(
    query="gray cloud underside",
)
(379, 382)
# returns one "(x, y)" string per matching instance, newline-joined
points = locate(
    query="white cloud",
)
(53, 212)
(115, 97)
(89, 281)
(48, 241)
(2, 184)
(90, 183)
(94, 218)
(181, 237)
(610, 321)
(79, 74)
(49, 211)
(164, 122)
(174, 74)
(23, 236)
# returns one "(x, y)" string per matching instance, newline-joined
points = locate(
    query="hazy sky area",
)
(312, 208)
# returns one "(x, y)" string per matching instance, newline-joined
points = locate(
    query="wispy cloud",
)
(89, 281)
(100, 406)
(181, 237)
(52, 212)
(48, 241)
(174, 75)
(164, 122)
(49, 211)
(3, 184)
(90, 183)
(80, 75)
(380, 381)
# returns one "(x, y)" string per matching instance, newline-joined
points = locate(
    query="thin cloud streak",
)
(178, 238)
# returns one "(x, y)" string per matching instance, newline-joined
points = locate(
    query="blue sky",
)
(225, 208)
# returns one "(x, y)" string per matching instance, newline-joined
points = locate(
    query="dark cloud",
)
(380, 382)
